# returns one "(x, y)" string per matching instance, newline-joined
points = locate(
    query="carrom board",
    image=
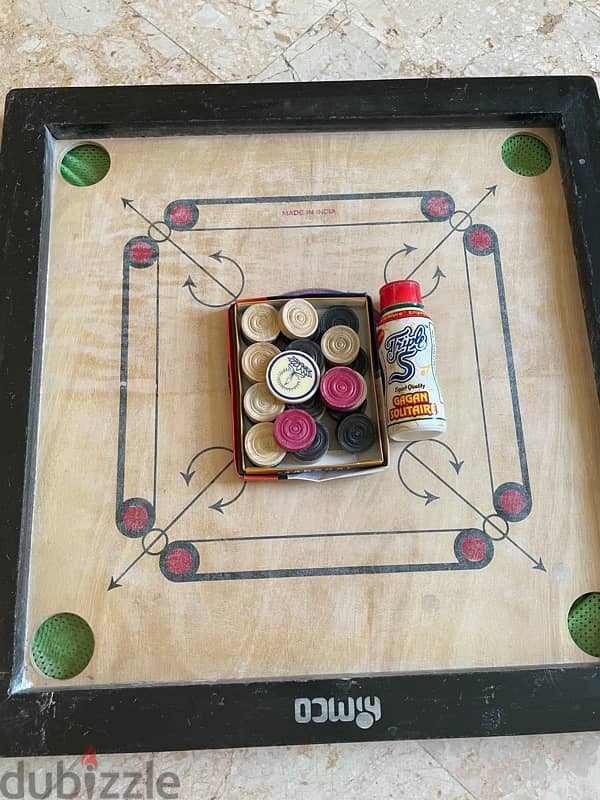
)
(429, 599)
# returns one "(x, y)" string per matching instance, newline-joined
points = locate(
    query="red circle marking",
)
(179, 561)
(480, 239)
(473, 548)
(141, 252)
(438, 206)
(512, 501)
(135, 518)
(181, 215)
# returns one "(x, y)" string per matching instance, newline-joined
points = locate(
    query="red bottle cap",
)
(400, 293)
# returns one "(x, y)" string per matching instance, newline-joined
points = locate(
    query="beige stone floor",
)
(89, 42)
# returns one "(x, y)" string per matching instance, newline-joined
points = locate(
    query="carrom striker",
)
(293, 376)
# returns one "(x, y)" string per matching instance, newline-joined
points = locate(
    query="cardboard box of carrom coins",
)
(305, 387)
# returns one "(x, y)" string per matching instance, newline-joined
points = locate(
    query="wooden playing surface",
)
(290, 601)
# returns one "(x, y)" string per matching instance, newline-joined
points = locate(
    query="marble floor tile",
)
(234, 39)
(382, 38)
(554, 767)
(592, 5)
(390, 771)
(67, 42)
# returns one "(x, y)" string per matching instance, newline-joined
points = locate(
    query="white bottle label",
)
(413, 397)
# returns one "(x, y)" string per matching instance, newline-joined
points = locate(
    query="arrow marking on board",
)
(408, 248)
(438, 275)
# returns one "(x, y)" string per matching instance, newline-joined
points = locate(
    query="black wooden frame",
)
(468, 703)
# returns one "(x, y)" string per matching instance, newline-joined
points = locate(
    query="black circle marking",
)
(485, 539)
(129, 252)
(122, 509)
(430, 215)
(181, 226)
(512, 516)
(194, 563)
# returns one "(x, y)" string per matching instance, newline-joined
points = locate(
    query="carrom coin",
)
(310, 348)
(260, 405)
(338, 315)
(259, 323)
(294, 430)
(255, 360)
(340, 344)
(356, 433)
(298, 319)
(261, 447)
(317, 449)
(343, 389)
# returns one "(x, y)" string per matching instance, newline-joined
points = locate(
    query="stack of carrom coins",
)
(303, 368)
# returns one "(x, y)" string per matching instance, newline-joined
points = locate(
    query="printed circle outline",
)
(155, 226)
(465, 216)
(147, 548)
(489, 521)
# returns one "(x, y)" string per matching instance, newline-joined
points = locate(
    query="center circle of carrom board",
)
(526, 155)
(62, 646)
(179, 560)
(584, 623)
(85, 164)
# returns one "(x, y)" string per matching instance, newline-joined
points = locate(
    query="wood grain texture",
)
(154, 630)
